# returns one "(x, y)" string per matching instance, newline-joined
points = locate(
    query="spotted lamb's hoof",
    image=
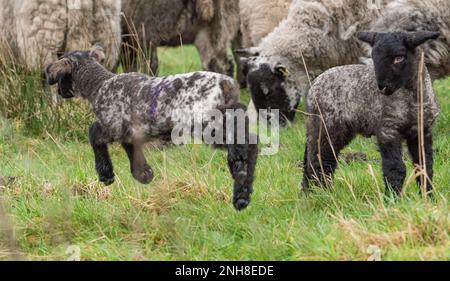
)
(241, 199)
(144, 176)
(241, 203)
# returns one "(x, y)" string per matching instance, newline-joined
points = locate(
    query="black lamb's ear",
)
(281, 71)
(368, 37)
(416, 39)
(55, 71)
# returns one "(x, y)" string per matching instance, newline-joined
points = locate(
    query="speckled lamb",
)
(134, 108)
(372, 100)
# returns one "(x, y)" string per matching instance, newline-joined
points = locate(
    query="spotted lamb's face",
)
(60, 72)
(395, 58)
(271, 86)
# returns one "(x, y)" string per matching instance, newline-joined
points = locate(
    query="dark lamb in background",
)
(211, 25)
(134, 108)
(379, 100)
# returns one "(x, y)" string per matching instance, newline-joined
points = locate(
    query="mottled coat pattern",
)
(134, 108)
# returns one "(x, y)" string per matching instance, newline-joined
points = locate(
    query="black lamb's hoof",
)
(107, 180)
(144, 176)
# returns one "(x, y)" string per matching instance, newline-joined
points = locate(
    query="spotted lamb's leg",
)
(414, 150)
(140, 170)
(394, 169)
(99, 142)
(242, 157)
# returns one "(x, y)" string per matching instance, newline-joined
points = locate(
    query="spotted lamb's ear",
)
(416, 39)
(57, 70)
(368, 37)
(97, 53)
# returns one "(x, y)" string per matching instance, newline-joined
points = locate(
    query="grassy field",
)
(55, 203)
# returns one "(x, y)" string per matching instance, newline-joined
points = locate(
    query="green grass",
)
(186, 213)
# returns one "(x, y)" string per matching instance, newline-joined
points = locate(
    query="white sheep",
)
(256, 24)
(40, 30)
(259, 18)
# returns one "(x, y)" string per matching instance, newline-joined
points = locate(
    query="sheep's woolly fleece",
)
(41, 29)
(418, 15)
(255, 20)
(317, 30)
(344, 93)
(163, 102)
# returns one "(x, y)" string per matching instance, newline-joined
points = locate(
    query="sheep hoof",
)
(241, 198)
(107, 180)
(144, 176)
(241, 203)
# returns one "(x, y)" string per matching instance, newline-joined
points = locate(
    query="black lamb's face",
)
(60, 72)
(395, 58)
(267, 84)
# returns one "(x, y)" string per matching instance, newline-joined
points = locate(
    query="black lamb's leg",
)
(103, 164)
(242, 158)
(140, 170)
(394, 169)
(321, 152)
(414, 150)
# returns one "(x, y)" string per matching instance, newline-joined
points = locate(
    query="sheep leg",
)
(213, 55)
(154, 62)
(414, 150)
(242, 158)
(103, 164)
(394, 169)
(140, 170)
(237, 44)
(321, 156)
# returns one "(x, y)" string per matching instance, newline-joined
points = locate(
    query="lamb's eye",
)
(399, 59)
